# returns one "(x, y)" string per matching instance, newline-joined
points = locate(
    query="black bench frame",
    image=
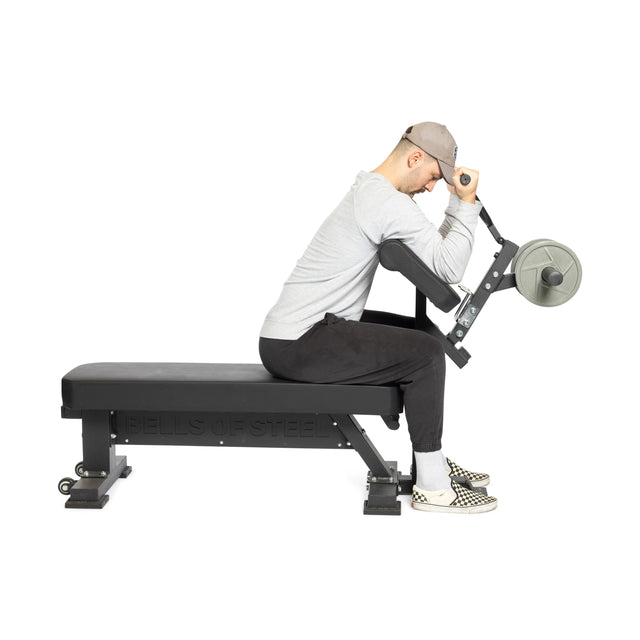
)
(103, 429)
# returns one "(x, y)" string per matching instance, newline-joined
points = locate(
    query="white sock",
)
(431, 471)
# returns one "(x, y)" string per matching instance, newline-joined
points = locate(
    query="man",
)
(318, 332)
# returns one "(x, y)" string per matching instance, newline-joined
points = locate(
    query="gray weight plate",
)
(523, 248)
(528, 264)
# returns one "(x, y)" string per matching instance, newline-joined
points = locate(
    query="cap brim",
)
(447, 172)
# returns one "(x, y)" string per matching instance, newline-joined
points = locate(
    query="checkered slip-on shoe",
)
(458, 499)
(474, 479)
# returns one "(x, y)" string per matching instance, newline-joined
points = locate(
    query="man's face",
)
(425, 176)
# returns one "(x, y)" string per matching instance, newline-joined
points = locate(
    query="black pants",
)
(342, 351)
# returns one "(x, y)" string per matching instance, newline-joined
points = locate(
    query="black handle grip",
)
(465, 179)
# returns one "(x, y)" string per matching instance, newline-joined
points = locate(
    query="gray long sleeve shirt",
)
(336, 271)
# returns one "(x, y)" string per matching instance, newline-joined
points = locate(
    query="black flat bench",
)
(235, 405)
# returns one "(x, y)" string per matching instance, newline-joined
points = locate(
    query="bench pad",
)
(162, 386)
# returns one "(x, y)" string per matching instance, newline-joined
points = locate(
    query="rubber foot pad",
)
(394, 510)
(87, 504)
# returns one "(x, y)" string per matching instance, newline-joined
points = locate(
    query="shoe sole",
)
(479, 508)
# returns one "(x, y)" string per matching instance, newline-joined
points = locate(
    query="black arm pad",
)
(396, 256)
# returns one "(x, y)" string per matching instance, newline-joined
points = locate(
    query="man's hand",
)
(466, 192)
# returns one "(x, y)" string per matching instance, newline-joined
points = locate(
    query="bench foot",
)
(383, 491)
(91, 492)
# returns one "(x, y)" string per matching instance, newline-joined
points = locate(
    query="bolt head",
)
(487, 286)
(495, 274)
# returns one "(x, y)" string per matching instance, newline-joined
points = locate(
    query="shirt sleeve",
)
(445, 250)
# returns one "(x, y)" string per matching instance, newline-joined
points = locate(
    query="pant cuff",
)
(428, 447)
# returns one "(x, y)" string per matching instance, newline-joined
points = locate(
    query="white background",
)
(163, 166)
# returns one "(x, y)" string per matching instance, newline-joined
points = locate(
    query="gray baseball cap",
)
(436, 140)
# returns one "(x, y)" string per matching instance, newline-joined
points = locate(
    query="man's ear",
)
(414, 158)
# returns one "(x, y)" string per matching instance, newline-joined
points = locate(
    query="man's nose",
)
(430, 186)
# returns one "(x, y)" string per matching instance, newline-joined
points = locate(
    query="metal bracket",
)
(95, 474)
(494, 280)
(466, 313)
(468, 316)
(463, 304)
(507, 282)
(393, 478)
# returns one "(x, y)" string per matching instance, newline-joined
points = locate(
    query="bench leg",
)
(384, 482)
(101, 466)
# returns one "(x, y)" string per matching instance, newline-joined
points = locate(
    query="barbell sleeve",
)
(552, 276)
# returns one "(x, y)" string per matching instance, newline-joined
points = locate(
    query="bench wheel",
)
(80, 469)
(64, 486)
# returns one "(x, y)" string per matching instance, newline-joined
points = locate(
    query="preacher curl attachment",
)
(546, 272)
